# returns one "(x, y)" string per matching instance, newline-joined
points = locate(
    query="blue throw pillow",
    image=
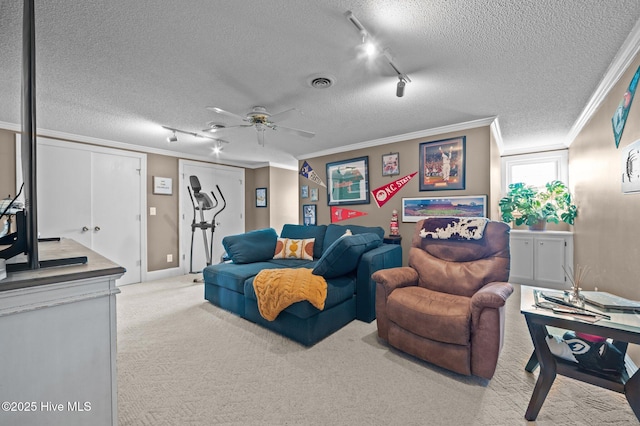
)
(252, 246)
(336, 231)
(303, 232)
(343, 255)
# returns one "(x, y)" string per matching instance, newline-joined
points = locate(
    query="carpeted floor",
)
(183, 361)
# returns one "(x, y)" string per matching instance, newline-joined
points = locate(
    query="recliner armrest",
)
(394, 278)
(387, 280)
(493, 295)
(487, 327)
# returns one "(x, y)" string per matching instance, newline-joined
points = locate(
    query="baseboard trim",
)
(163, 273)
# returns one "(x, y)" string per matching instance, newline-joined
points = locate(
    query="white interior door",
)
(116, 224)
(95, 197)
(228, 222)
(64, 193)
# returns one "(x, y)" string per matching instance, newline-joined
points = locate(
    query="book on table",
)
(609, 301)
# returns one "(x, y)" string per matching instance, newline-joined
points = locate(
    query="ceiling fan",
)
(259, 118)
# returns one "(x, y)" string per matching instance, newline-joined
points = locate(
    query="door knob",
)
(97, 228)
(85, 229)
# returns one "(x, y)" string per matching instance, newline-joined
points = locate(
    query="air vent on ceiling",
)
(321, 81)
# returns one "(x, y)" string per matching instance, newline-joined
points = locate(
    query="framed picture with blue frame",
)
(309, 214)
(442, 164)
(348, 182)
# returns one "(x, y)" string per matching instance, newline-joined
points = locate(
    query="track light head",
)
(172, 138)
(217, 148)
(400, 87)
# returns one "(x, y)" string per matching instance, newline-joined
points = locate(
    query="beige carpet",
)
(183, 361)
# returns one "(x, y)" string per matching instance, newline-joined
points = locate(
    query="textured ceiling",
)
(118, 70)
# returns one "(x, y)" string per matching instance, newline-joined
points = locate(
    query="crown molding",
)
(403, 137)
(120, 145)
(619, 65)
(497, 135)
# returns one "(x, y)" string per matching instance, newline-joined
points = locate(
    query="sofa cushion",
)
(233, 276)
(430, 314)
(252, 246)
(290, 248)
(305, 231)
(338, 290)
(343, 255)
(336, 231)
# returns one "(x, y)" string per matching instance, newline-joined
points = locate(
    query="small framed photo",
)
(314, 194)
(631, 168)
(309, 214)
(261, 197)
(391, 164)
(304, 191)
(162, 185)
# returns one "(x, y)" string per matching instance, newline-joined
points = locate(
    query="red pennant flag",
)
(340, 213)
(386, 192)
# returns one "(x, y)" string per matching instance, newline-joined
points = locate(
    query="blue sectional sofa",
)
(346, 263)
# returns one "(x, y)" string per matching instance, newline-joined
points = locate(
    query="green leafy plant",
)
(526, 205)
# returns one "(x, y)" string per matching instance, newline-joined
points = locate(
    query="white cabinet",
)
(539, 258)
(58, 350)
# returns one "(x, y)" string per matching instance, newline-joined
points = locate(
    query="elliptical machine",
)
(202, 202)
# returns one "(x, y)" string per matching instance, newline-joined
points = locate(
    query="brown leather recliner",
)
(447, 306)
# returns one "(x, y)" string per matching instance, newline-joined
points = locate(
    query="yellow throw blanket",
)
(277, 289)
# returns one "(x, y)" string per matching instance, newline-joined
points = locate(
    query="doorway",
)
(229, 222)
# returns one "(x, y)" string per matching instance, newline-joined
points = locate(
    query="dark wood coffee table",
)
(623, 328)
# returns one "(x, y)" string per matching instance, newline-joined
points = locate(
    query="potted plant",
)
(526, 205)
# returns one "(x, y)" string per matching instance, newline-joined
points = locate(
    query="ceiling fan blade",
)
(227, 113)
(225, 128)
(298, 132)
(283, 115)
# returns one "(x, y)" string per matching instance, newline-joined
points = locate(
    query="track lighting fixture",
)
(217, 148)
(372, 50)
(400, 88)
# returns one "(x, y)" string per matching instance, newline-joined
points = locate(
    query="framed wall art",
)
(261, 197)
(314, 194)
(304, 191)
(348, 182)
(630, 161)
(414, 209)
(162, 185)
(442, 164)
(391, 164)
(309, 214)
